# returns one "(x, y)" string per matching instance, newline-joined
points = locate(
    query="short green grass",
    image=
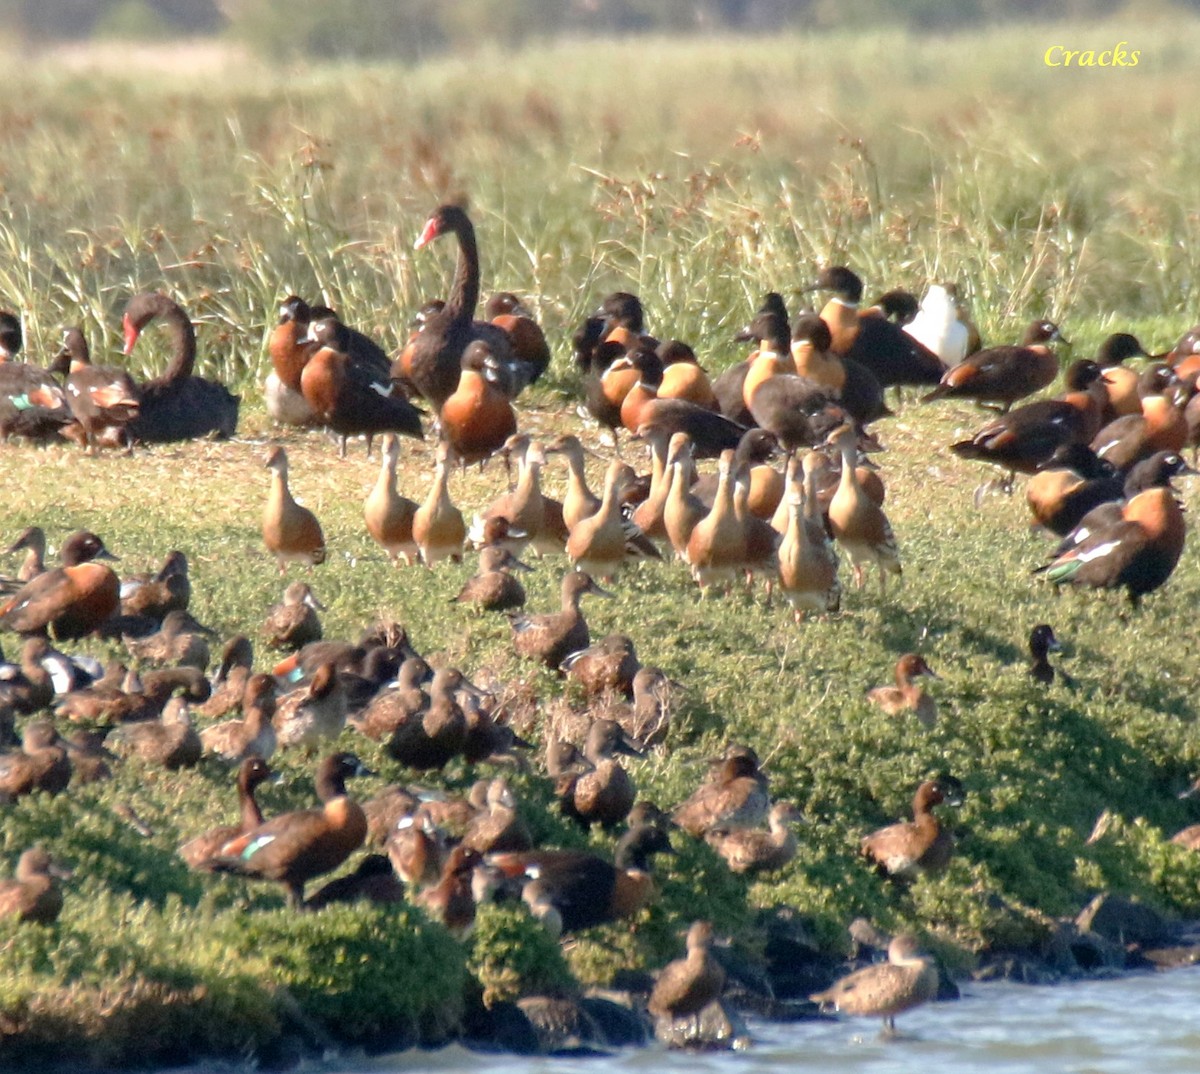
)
(745, 165)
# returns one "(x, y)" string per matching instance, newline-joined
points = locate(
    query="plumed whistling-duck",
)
(388, 515)
(290, 532)
(438, 527)
(808, 564)
(858, 523)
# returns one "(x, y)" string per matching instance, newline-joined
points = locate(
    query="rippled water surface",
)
(1125, 1026)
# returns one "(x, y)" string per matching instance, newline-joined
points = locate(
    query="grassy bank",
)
(744, 165)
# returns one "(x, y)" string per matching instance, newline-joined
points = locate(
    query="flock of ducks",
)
(1102, 456)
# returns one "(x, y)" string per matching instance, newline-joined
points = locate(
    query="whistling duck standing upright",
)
(681, 509)
(717, 545)
(435, 362)
(858, 524)
(648, 515)
(292, 848)
(902, 851)
(893, 356)
(579, 502)
(290, 532)
(199, 851)
(938, 327)
(688, 985)
(70, 601)
(1003, 375)
(346, 396)
(550, 638)
(103, 400)
(1138, 551)
(808, 565)
(33, 894)
(596, 544)
(477, 418)
(388, 515)
(177, 405)
(438, 527)
(906, 695)
(533, 518)
(289, 351)
(906, 980)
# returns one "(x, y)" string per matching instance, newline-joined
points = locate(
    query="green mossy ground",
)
(248, 186)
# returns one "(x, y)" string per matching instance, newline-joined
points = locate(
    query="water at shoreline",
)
(1122, 1026)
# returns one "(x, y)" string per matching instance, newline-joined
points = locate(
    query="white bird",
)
(937, 325)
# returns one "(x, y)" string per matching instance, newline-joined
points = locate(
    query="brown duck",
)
(254, 734)
(438, 527)
(494, 587)
(904, 850)
(907, 695)
(103, 400)
(397, 704)
(33, 894)
(550, 638)
(608, 666)
(41, 765)
(199, 851)
(293, 623)
(752, 850)
(688, 985)
(157, 595)
(292, 848)
(314, 714)
(735, 798)
(70, 601)
(171, 741)
(906, 980)
(605, 795)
